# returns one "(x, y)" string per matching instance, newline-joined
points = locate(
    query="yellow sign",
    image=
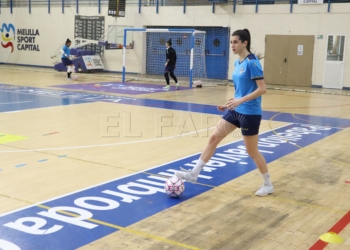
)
(6, 138)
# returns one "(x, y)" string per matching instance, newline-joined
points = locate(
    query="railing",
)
(12, 4)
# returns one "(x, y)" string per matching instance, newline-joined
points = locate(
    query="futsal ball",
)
(197, 84)
(75, 77)
(174, 187)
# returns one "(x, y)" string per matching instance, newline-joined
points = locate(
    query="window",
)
(335, 48)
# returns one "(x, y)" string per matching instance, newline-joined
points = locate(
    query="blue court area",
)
(11, 102)
(97, 211)
(120, 88)
(22, 98)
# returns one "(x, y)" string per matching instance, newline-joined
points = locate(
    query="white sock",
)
(198, 168)
(267, 180)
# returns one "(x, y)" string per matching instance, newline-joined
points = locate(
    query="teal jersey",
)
(66, 50)
(244, 77)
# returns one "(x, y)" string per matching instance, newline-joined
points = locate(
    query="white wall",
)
(271, 19)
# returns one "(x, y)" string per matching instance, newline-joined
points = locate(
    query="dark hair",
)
(68, 41)
(169, 42)
(244, 35)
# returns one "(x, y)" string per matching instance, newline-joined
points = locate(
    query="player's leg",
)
(172, 75)
(71, 70)
(70, 67)
(167, 79)
(250, 131)
(223, 128)
(66, 63)
(68, 72)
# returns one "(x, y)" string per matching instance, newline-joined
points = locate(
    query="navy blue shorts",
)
(66, 61)
(249, 124)
(169, 69)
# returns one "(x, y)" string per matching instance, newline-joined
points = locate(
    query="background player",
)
(65, 51)
(170, 65)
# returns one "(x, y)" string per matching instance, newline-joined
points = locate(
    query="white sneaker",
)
(177, 85)
(185, 175)
(69, 79)
(167, 87)
(265, 190)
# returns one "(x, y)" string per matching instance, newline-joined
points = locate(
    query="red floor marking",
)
(337, 228)
(51, 133)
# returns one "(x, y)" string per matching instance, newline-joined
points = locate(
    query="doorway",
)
(289, 60)
(334, 67)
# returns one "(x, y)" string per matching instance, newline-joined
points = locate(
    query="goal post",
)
(190, 53)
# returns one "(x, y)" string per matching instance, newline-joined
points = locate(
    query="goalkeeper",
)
(170, 65)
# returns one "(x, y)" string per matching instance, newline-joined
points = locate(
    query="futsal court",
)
(70, 150)
(84, 162)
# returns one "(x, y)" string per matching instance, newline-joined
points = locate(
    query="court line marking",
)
(20, 165)
(129, 230)
(317, 123)
(125, 229)
(52, 133)
(114, 76)
(101, 145)
(17, 111)
(134, 173)
(272, 129)
(145, 172)
(337, 228)
(309, 107)
(5, 103)
(118, 143)
(300, 147)
(344, 221)
(74, 92)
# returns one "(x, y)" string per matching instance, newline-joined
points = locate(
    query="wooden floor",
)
(65, 150)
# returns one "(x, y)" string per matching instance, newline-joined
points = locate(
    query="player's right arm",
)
(167, 58)
(63, 52)
(225, 106)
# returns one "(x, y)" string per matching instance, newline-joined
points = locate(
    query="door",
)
(276, 62)
(289, 60)
(217, 51)
(334, 67)
(300, 60)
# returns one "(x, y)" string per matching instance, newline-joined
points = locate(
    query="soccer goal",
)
(144, 55)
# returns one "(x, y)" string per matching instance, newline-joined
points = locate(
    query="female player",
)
(65, 51)
(243, 111)
(170, 65)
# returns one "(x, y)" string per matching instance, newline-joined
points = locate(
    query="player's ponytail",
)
(68, 41)
(248, 39)
(244, 35)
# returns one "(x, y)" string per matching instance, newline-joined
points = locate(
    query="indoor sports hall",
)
(90, 134)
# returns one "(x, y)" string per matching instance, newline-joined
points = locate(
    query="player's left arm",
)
(233, 103)
(256, 93)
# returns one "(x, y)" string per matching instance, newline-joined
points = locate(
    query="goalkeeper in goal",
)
(170, 65)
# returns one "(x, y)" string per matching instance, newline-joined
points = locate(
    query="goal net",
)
(144, 57)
